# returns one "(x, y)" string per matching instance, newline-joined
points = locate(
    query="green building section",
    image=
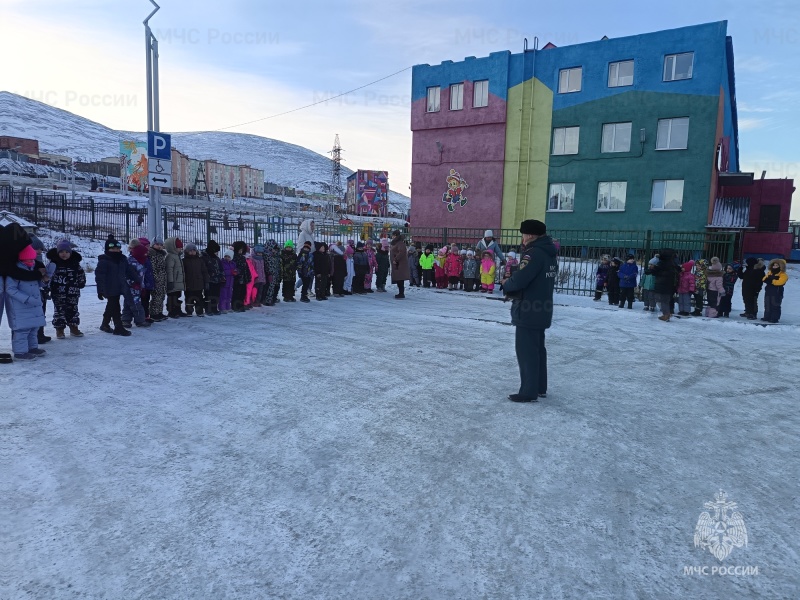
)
(639, 167)
(527, 153)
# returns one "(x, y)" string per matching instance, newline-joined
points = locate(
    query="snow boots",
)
(60, 333)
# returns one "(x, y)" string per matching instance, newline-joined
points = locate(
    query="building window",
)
(611, 195)
(569, 80)
(620, 73)
(678, 66)
(565, 140)
(673, 134)
(562, 197)
(433, 98)
(480, 95)
(667, 194)
(457, 96)
(616, 137)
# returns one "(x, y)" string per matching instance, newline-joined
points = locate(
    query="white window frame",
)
(605, 191)
(560, 192)
(571, 74)
(480, 100)
(436, 106)
(613, 127)
(670, 76)
(613, 68)
(663, 198)
(662, 144)
(456, 96)
(560, 136)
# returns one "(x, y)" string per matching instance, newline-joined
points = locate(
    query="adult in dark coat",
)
(398, 255)
(339, 271)
(322, 271)
(196, 280)
(752, 281)
(666, 272)
(531, 289)
(361, 268)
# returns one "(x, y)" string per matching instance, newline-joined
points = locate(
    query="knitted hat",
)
(429, 247)
(179, 243)
(688, 265)
(489, 252)
(228, 253)
(213, 247)
(630, 257)
(139, 253)
(133, 243)
(512, 254)
(158, 241)
(144, 241)
(111, 242)
(63, 245)
(463, 253)
(27, 253)
(359, 245)
(470, 253)
(532, 227)
(289, 244)
(307, 243)
(369, 243)
(258, 248)
(488, 233)
(442, 251)
(654, 261)
(188, 248)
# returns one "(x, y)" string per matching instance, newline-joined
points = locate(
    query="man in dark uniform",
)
(531, 289)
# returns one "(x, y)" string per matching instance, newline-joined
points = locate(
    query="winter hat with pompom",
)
(228, 253)
(64, 245)
(27, 253)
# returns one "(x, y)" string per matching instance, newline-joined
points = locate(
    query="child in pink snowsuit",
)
(686, 288)
(252, 290)
(452, 268)
(488, 269)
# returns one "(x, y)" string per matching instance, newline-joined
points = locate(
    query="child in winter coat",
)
(340, 271)
(413, 265)
(628, 275)
(175, 279)
(112, 277)
(438, 269)
(322, 270)
(250, 288)
(512, 264)
(452, 269)
(700, 284)
(305, 270)
(649, 286)
(349, 252)
(488, 270)
(158, 260)
(288, 271)
(752, 281)
(361, 268)
(229, 274)
(133, 311)
(729, 278)
(601, 278)
(197, 280)
(372, 260)
(686, 288)
(243, 277)
(426, 264)
(216, 278)
(148, 279)
(716, 290)
(67, 279)
(382, 258)
(612, 282)
(25, 313)
(774, 282)
(272, 270)
(472, 272)
(259, 281)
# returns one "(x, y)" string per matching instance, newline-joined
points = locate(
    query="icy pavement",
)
(364, 448)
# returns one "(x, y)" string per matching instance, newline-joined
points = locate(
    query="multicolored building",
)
(626, 133)
(368, 193)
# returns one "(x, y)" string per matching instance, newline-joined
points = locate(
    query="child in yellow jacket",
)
(774, 282)
(487, 272)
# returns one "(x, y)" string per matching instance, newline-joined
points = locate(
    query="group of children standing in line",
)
(456, 268)
(694, 284)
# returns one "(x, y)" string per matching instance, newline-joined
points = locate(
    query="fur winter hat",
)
(27, 253)
(64, 245)
(715, 265)
(228, 253)
(213, 247)
(532, 227)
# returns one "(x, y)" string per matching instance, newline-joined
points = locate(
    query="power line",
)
(295, 109)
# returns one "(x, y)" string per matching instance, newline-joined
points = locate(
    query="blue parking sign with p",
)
(159, 145)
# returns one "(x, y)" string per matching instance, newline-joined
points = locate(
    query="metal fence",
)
(579, 250)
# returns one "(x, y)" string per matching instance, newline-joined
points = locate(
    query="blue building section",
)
(493, 67)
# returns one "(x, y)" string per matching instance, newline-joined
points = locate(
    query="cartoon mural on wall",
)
(454, 196)
(136, 160)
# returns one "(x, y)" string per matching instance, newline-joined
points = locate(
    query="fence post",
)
(444, 236)
(648, 243)
(91, 206)
(208, 224)
(128, 222)
(164, 221)
(35, 208)
(64, 214)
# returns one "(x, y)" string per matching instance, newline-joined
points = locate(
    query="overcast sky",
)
(232, 61)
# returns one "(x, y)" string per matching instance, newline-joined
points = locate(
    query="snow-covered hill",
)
(59, 130)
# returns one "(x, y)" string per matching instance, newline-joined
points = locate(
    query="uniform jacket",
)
(531, 287)
(24, 302)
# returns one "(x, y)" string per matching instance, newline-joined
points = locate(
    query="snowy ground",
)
(364, 448)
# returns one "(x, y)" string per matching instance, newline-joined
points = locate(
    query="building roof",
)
(731, 213)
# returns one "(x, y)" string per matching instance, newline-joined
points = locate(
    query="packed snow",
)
(364, 447)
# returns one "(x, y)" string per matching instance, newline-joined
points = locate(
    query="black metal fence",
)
(579, 250)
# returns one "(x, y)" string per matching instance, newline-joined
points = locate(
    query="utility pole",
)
(154, 226)
(336, 177)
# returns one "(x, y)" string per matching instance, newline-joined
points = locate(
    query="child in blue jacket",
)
(25, 312)
(628, 276)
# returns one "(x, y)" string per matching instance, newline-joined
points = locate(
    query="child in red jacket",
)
(452, 268)
(686, 289)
